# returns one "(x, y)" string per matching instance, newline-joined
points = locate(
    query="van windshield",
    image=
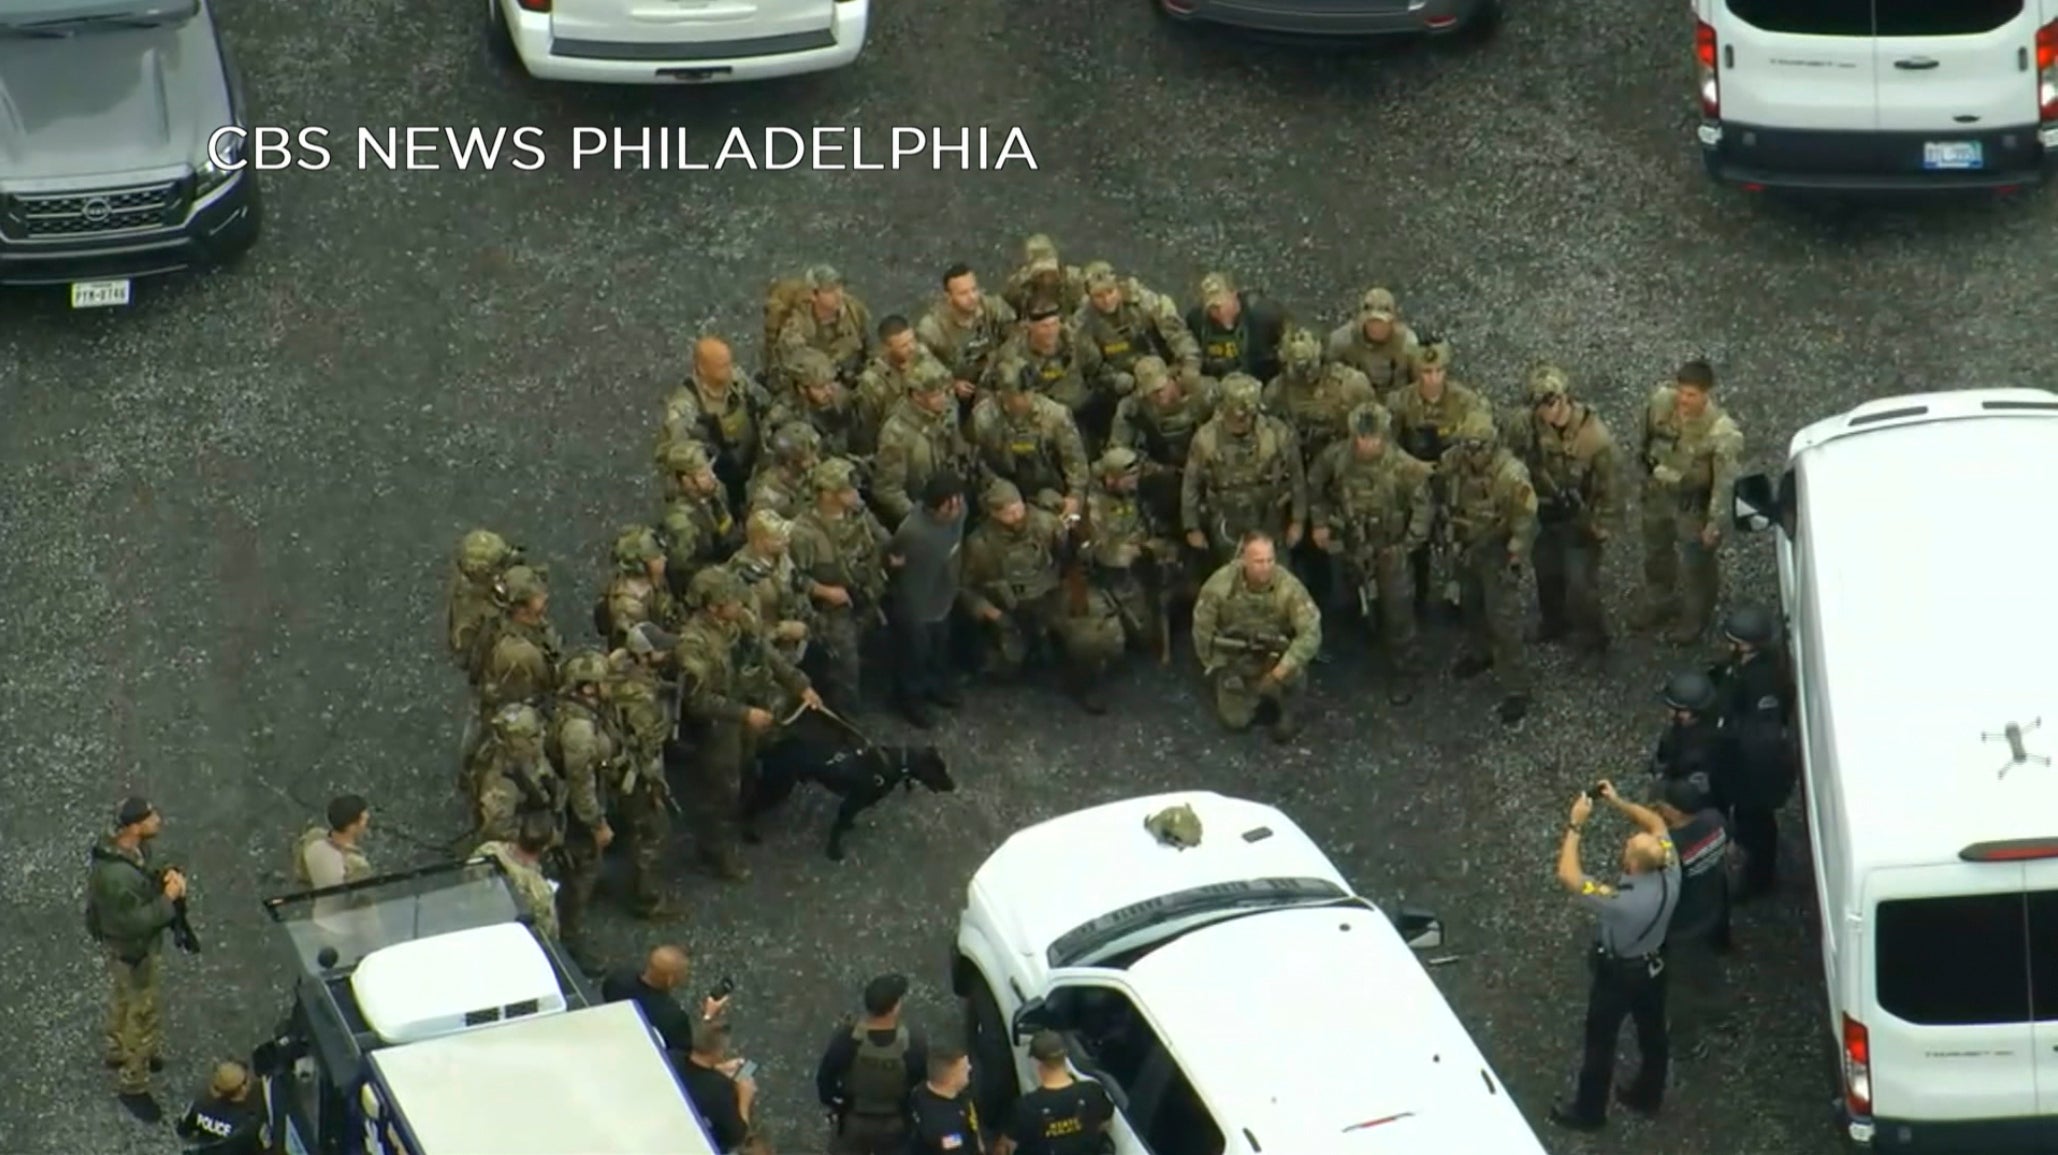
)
(1958, 961)
(1806, 17)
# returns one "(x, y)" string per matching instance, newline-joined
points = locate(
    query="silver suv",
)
(106, 110)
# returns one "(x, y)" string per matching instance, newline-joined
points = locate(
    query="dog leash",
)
(864, 740)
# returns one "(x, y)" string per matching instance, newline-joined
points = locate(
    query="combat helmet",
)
(636, 547)
(1752, 626)
(810, 367)
(1099, 276)
(1370, 419)
(1119, 459)
(1476, 434)
(833, 476)
(1547, 381)
(688, 457)
(1240, 392)
(1150, 373)
(1175, 826)
(1689, 690)
(584, 668)
(1433, 353)
(518, 723)
(927, 375)
(522, 584)
(1301, 351)
(715, 586)
(796, 442)
(483, 553)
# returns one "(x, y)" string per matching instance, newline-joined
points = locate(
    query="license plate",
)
(1947, 155)
(99, 294)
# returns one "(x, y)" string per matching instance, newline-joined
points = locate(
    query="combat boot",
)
(1089, 689)
(653, 909)
(725, 864)
(1286, 723)
(1687, 630)
(1471, 666)
(1651, 615)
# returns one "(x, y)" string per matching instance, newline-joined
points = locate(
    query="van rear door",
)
(2043, 980)
(1948, 1018)
(1955, 70)
(1804, 64)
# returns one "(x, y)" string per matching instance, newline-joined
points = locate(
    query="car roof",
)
(587, 1082)
(1318, 1032)
(1049, 878)
(1932, 546)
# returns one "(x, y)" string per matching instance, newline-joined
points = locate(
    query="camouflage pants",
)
(133, 1032)
(1240, 689)
(1672, 523)
(1568, 581)
(838, 653)
(647, 827)
(581, 876)
(1377, 584)
(1138, 605)
(1090, 640)
(1487, 599)
(725, 752)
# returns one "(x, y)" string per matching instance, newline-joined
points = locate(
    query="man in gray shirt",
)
(925, 557)
(1634, 913)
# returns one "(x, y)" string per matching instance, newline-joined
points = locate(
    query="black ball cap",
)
(133, 809)
(1750, 625)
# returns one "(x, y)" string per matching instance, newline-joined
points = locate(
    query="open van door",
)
(2042, 878)
(1947, 1032)
(1958, 73)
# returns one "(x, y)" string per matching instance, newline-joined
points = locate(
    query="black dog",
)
(862, 778)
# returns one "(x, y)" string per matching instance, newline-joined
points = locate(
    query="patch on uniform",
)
(951, 1142)
(723, 523)
(1599, 889)
(1022, 448)
(734, 422)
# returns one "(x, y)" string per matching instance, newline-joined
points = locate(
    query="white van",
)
(1918, 561)
(1878, 95)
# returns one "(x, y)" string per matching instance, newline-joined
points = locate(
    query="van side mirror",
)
(1754, 505)
(1030, 1017)
(1420, 929)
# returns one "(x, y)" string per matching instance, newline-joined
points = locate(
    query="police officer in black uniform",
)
(229, 1118)
(1693, 741)
(1755, 711)
(941, 1117)
(1064, 1115)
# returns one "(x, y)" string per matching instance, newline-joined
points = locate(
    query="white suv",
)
(1878, 95)
(1235, 998)
(677, 41)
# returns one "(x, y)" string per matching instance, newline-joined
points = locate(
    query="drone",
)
(2017, 752)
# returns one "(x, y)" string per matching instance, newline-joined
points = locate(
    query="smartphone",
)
(723, 989)
(747, 1071)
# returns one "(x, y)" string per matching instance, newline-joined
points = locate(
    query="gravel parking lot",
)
(225, 512)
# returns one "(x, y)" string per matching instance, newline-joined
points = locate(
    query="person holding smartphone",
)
(722, 1089)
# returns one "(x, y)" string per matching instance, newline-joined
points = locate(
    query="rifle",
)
(181, 926)
(1076, 549)
(1270, 646)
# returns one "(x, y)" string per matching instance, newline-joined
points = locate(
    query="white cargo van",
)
(1888, 95)
(1918, 563)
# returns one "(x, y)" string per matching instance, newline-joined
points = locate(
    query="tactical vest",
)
(1028, 561)
(1249, 473)
(1252, 615)
(1558, 472)
(878, 1080)
(1024, 451)
(932, 445)
(1222, 350)
(704, 524)
(1124, 338)
(540, 789)
(732, 430)
(471, 611)
(1385, 364)
(569, 709)
(1320, 410)
(971, 347)
(1118, 520)
(859, 562)
(506, 628)
(1427, 428)
(1371, 506)
(1683, 445)
(1056, 375)
(1167, 433)
(1475, 501)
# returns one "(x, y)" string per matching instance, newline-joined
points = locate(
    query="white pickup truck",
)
(1236, 998)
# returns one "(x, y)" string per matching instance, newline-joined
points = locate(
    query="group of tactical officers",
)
(1122, 459)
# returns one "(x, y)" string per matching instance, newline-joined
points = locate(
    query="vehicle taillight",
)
(2047, 71)
(1708, 83)
(2016, 850)
(534, 5)
(1857, 1069)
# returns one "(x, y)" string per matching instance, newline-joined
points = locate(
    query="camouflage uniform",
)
(845, 338)
(966, 346)
(1389, 364)
(129, 914)
(817, 402)
(1240, 481)
(1158, 421)
(777, 589)
(1037, 446)
(1371, 505)
(1133, 551)
(1574, 471)
(514, 777)
(587, 747)
(520, 663)
(1490, 521)
(781, 482)
(1241, 633)
(531, 888)
(727, 666)
(1042, 275)
(1017, 572)
(1689, 467)
(472, 602)
(729, 421)
(917, 444)
(1426, 420)
(1070, 372)
(699, 530)
(839, 544)
(881, 388)
(642, 798)
(1316, 399)
(637, 593)
(1138, 323)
